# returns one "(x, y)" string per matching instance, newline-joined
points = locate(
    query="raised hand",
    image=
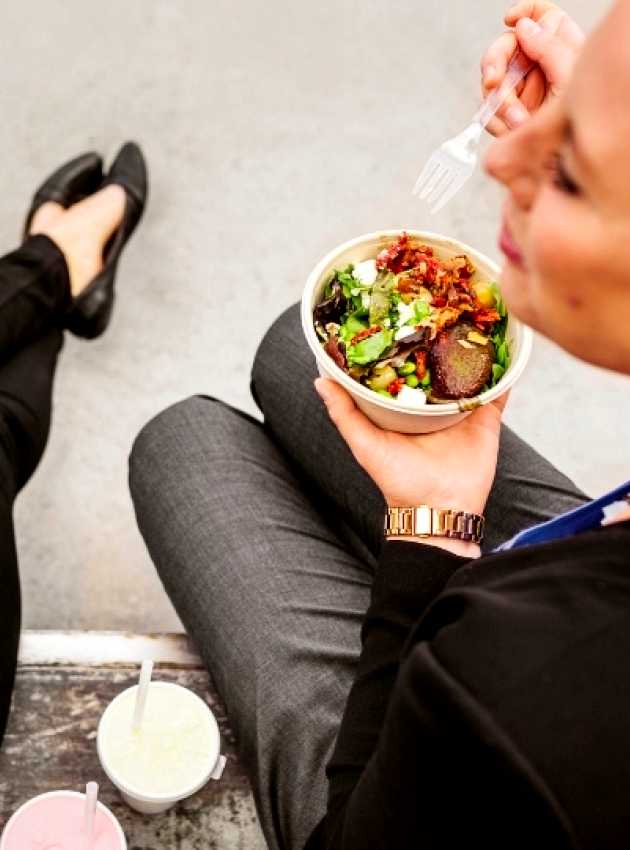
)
(552, 39)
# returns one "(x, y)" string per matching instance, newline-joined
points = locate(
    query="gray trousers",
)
(265, 538)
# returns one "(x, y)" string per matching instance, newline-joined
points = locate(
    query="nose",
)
(512, 161)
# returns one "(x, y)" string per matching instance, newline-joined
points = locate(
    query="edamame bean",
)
(406, 369)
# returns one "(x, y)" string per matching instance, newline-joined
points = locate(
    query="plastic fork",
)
(452, 164)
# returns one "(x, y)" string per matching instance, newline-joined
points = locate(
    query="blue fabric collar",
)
(584, 518)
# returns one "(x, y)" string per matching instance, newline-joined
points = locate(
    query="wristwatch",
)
(424, 521)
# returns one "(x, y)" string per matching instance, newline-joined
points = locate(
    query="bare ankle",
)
(45, 216)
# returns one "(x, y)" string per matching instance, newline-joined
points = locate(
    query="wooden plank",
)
(51, 743)
(107, 649)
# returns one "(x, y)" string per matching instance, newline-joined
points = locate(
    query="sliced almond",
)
(480, 339)
(465, 344)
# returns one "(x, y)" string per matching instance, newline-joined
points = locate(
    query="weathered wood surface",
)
(51, 744)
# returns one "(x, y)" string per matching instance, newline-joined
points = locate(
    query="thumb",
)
(489, 416)
(356, 429)
(546, 43)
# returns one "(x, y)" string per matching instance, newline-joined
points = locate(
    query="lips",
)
(509, 246)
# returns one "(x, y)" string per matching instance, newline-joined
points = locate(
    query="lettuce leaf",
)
(370, 349)
(380, 298)
(502, 355)
(497, 373)
(351, 327)
(421, 310)
(347, 281)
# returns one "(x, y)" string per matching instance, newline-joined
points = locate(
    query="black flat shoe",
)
(68, 185)
(92, 309)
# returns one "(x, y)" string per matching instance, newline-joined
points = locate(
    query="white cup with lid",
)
(173, 754)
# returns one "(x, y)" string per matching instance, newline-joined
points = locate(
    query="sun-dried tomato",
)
(457, 295)
(485, 317)
(389, 254)
(401, 256)
(396, 386)
(421, 364)
(439, 301)
(433, 267)
(365, 334)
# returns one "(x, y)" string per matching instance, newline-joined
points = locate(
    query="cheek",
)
(563, 270)
(548, 288)
(553, 255)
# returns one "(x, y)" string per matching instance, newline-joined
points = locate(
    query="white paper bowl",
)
(151, 804)
(391, 414)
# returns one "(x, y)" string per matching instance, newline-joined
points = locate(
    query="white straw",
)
(141, 695)
(89, 812)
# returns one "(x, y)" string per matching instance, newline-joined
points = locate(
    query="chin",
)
(515, 290)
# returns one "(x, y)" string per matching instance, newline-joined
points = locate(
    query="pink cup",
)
(55, 820)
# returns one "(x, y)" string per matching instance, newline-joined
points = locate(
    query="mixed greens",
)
(411, 326)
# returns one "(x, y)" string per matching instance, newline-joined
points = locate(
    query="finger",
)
(535, 90)
(571, 33)
(355, 428)
(495, 60)
(513, 112)
(542, 43)
(489, 415)
(493, 69)
(534, 9)
(497, 127)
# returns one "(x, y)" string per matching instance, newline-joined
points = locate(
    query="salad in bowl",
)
(415, 327)
(412, 325)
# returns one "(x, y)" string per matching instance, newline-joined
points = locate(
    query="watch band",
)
(424, 521)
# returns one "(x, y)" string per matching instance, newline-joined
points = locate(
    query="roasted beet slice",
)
(460, 371)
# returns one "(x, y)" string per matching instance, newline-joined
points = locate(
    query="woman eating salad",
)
(394, 680)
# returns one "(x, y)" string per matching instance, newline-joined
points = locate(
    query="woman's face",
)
(567, 216)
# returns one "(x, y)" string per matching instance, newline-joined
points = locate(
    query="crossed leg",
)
(25, 399)
(266, 540)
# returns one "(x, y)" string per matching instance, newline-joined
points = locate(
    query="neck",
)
(622, 517)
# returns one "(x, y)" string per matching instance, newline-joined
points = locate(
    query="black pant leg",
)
(34, 293)
(26, 381)
(10, 608)
(34, 296)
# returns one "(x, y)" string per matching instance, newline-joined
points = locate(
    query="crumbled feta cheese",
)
(411, 397)
(405, 313)
(401, 333)
(365, 272)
